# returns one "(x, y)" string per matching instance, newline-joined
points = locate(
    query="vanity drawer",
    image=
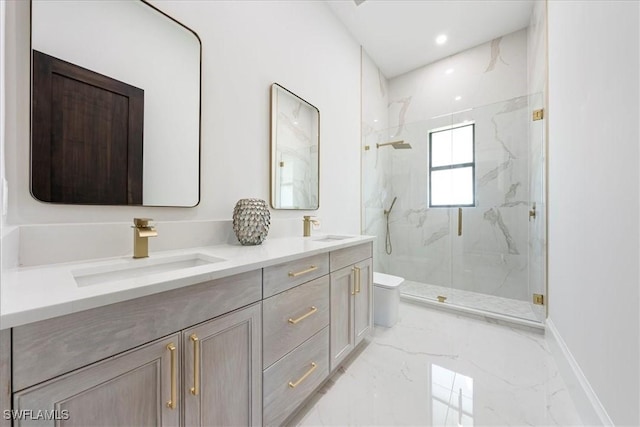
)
(291, 317)
(347, 256)
(45, 349)
(279, 278)
(305, 369)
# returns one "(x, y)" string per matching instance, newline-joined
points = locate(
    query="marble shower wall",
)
(376, 165)
(487, 85)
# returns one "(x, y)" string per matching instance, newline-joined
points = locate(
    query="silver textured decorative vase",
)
(251, 220)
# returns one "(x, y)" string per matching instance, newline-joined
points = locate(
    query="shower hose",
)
(387, 244)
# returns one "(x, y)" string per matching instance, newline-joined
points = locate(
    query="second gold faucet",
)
(306, 232)
(141, 233)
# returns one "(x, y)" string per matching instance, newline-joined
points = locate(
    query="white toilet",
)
(386, 299)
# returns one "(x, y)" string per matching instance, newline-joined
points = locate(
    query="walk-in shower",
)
(488, 264)
(461, 232)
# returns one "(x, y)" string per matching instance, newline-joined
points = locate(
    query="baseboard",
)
(584, 397)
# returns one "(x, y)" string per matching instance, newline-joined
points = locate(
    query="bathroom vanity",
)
(244, 340)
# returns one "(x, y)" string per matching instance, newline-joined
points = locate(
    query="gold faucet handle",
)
(141, 222)
(311, 219)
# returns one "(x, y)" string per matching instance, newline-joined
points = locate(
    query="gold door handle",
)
(304, 377)
(300, 273)
(459, 221)
(172, 403)
(358, 285)
(532, 212)
(312, 310)
(196, 364)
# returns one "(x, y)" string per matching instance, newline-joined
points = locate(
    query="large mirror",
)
(295, 150)
(115, 105)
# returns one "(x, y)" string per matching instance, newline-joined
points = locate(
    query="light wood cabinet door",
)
(363, 300)
(342, 306)
(5, 375)
(223, 370)
(131, 389)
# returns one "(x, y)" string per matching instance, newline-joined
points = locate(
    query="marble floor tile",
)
(474, 300)
(436, 368)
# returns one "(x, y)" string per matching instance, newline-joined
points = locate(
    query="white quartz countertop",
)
(31, 294)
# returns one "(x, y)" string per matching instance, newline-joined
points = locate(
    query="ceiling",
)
(399, 35)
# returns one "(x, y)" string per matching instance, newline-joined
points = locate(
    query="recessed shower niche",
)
(122, 128)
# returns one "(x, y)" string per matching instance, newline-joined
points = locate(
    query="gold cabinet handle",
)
(196, 364)
(459, 221)
(304, 377)
(300, 273)
(353, 270)
(312, 310)
(174, 386)
(358, 278)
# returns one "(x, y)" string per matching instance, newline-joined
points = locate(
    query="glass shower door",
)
(490, 241)
(537, 209)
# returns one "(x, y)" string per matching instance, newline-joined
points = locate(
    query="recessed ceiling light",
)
(441, 39)
(458, 98)
(375, 120)
(449, 71)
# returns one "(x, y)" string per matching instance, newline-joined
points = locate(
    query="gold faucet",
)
(141, 233)
(307, 225)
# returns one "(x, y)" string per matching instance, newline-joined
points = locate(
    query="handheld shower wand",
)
(387, 245)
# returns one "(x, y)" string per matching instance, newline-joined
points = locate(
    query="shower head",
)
(397, 145)
(387, 212)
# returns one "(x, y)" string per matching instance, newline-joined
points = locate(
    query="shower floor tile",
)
(437, 368)
(474, 300)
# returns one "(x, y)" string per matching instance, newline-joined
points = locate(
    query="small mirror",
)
(295, 151)
(115, 105)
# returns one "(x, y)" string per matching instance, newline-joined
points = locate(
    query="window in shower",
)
(452, 166)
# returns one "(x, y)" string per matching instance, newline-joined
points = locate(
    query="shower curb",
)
(487, 316)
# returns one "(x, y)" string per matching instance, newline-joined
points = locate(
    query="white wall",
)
(594, 195)
(2, 109)
(246, 47)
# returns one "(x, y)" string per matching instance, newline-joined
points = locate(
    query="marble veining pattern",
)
(436, 368)
(495, 55)
(495, 218)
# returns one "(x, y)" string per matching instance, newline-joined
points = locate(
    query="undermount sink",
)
(331, 238)
(139, 267)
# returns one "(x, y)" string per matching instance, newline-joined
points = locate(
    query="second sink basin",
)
(331, 238)
(139, 267)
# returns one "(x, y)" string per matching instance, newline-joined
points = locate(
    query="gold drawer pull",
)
(304, 377)
(312, 310)
(196, 364)
(172, 403)
(300, 273)
(358, 280)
